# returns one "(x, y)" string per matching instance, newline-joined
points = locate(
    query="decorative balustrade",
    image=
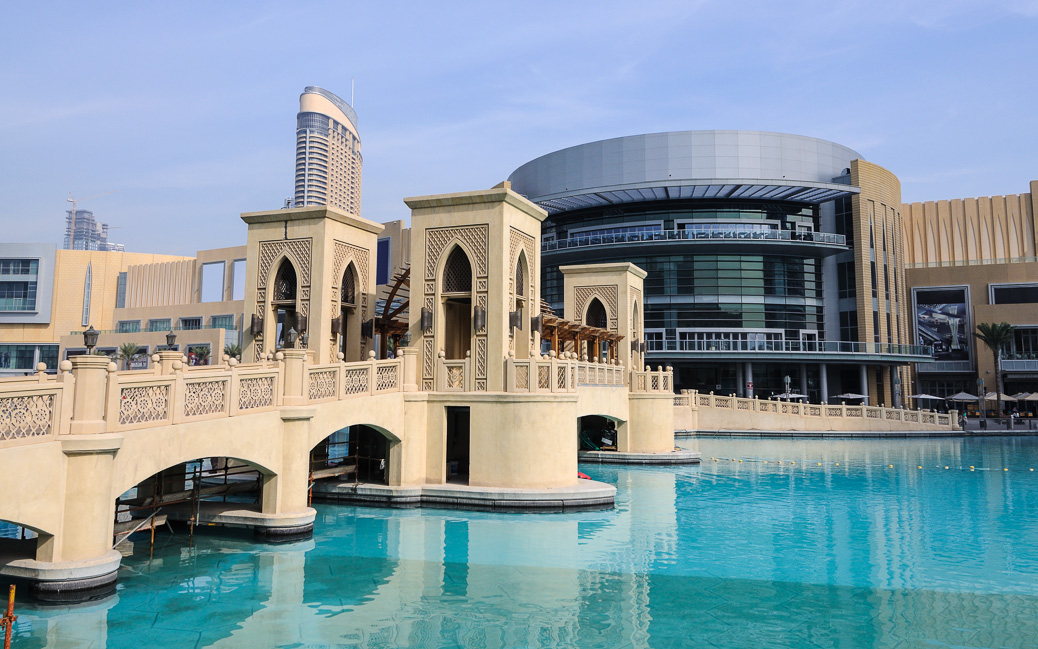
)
(550, 373)
(34, 408)
(693, 399)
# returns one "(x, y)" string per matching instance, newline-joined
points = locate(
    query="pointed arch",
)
(286, 283)
(522, 271)
(348, 285)
(596, 315)
(457, 272)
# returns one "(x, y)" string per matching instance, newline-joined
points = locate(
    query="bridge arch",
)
(143, 470)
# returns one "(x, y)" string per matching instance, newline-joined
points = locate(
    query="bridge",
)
(72, 444)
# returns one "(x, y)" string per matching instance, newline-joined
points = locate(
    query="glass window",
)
(17, 357)
(212, 282)
(382, 267)
(128, 326)
(1021, 294)
(190, 323)
(160, 324)
(120, 291)
(238, 280)
(222, 322)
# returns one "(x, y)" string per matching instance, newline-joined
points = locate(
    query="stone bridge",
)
(71, 444)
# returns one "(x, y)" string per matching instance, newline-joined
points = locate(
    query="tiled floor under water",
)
(770, 543)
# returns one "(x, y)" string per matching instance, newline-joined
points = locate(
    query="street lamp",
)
(982, 402)
(171, 340)
(291, 337)
(90, 339)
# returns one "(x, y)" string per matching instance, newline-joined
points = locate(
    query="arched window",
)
(348, 291)
(457, 273)
(596, 315)
(519, 279)
(285, 283)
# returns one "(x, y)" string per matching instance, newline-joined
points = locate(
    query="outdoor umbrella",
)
(1032, 397)
(925, 397)
(962, 396)
(851, 395)
(991, 396)
(790, 395)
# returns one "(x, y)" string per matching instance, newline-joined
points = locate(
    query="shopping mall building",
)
(787, 264)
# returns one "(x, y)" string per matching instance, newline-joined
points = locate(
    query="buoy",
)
(837, 464)
(795, 463)
(971, 466)
(1005, 469)
(945, 467)
(890, 466)
(919, 467)
(819, 464)
(583, 476)
(740, 461)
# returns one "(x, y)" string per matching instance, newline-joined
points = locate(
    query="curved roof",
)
(339, 103)
(688, 164)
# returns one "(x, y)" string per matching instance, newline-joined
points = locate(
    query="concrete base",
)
(850, 434)
(586, 494)
(617, 457)
(58, 581)
(276, 528)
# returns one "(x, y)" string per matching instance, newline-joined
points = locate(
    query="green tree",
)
(126, 353)
(997, 337)
(233, 350)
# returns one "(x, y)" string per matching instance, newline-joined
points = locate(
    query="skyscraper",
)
(328, 160)
(82, 232)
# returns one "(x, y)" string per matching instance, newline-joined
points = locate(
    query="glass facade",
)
(18, 284)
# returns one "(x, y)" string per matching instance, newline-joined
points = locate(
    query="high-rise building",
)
(328, 160)
(82, 232)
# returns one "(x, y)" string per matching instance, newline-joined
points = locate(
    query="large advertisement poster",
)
(942, 321)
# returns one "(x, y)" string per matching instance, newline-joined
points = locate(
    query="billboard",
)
(942, 321)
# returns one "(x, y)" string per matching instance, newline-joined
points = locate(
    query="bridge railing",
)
(550, 373)
(694, 399)
(660, 380)
(331, 381)
(34, 408)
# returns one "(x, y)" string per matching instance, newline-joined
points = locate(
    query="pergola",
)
(559, 331)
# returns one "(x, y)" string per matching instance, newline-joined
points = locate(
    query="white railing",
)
(550, 373)
(693, 399)
(34, 408)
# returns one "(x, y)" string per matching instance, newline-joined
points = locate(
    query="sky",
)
(170, 119)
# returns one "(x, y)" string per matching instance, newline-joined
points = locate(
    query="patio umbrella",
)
(851, 395)
(925, 397)
(790, 395)
(1032, 397)
(991, 396)
(962, 396)
(1021, 396)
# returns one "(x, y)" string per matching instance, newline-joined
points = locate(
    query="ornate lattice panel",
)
(543, 377)
(474, 238)
(561, 378)
(355, 381)
(256, 392)
(322, 385)
(521, 241)
(204, 398)
(298, 251)
(386, 378)
(522, 377)
(457, 273)
(455, 377)
(285, 283)
(28, 416)
(607, 295)
(142, 404)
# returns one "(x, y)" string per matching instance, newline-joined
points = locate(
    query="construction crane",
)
(70, 231)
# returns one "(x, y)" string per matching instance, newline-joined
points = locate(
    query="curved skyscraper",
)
(328, 160)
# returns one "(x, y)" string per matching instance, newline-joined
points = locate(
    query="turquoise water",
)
(850, 553)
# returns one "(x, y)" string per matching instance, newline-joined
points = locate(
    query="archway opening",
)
(457, 444)
(596, 433)
(189, 493)
(522, 331)
(596, 316)
(283, 302)
(456, 293)
(349, 314)
(352, 455)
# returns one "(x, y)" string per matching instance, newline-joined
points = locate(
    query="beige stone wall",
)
(877, 214)
(965, 230)
(619, 287)
(70, 270)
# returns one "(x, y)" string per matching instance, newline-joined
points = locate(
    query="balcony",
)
(786, 350)
(807, 244)
(1020, 363)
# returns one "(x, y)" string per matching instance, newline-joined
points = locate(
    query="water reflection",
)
(731, 554)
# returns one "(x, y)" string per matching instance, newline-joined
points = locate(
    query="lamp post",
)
(90, 339)
(789, 382)
(897, 391)
(291, 337)
(982, 402)
(171, 340)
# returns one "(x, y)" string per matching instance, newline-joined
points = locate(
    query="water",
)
(851, 553)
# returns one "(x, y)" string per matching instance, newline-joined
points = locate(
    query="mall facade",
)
(775, 262)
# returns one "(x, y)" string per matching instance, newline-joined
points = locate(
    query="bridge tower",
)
(312, 270)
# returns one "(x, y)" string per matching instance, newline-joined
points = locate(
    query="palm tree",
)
(997, 337)
(201, 354)
(126, 353)
(233, 350)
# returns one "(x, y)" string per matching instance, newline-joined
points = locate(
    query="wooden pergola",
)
(560, 331)
(391, 321)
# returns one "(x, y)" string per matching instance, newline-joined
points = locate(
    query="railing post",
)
(88, 405)
(409, 369)
(294, 368)
(510, 372)
(166, 360)
(372, 372)
(233, 388)
(441, 372)
(468, 383)
(178, 394)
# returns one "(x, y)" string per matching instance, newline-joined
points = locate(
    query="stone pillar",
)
(166, 360)
(88, 405)
(740, 386)
(749, 380)
(823, 382)
(864, 378)
(284, 512)
(650, 426)
(410, 368)
(294, 376)
(803, 378)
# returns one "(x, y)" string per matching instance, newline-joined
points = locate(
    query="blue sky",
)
(187, 110)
